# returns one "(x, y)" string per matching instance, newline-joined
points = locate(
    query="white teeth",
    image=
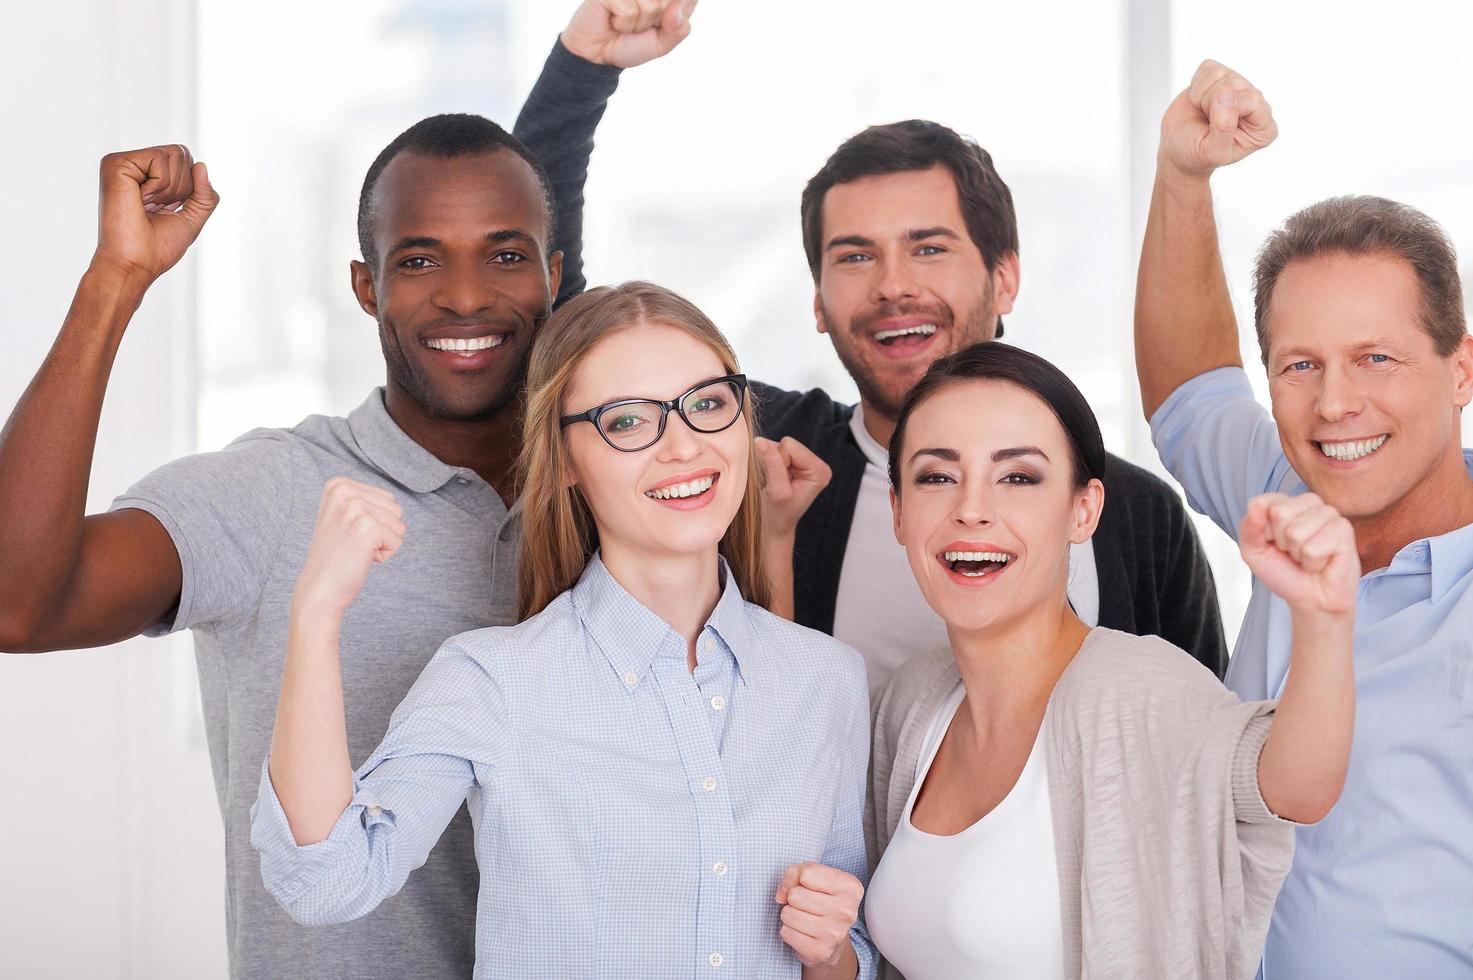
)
(462, 344)
(678, 490)
(1352, 450)
(924, 329)
(997, 556)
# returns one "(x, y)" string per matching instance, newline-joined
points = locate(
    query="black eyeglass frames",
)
(633, 424)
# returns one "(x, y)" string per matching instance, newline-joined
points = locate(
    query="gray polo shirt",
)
(242, 520)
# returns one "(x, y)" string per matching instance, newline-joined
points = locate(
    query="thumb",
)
(1222, 115)
(674, 26)
(202, 202)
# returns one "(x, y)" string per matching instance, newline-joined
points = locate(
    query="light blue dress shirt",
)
(632, 818)
(1383, 886)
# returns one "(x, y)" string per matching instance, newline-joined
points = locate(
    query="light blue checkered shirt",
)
(1383, 886)
(632, 819)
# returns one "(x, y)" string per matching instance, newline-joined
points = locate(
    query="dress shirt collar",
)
(631, 636)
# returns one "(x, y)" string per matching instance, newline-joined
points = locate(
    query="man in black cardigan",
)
(912, 241)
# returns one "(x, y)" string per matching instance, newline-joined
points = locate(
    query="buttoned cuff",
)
(287, 868)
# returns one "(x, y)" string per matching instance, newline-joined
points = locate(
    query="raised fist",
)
(357, 526)
(792, 476)
(1220, 119)
(626, 33)
(152, 205)
(1303, 550)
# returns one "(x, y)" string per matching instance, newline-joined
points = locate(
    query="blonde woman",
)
(665, 779)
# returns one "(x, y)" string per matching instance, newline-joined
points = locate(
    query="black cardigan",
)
(1154, 578)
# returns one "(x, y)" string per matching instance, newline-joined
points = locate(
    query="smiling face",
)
(1366, 409)
(987, 507)
(901, 282)
(463, 281)
(677, 497)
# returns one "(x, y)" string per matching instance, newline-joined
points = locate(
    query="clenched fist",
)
(820, 906)
(152, 205)
(626, 33)
(357, 527)
(1220, 119)
(1303, 550)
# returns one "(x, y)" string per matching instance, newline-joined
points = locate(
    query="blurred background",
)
(110, 840)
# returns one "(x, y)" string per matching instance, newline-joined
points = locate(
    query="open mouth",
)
(905, 339)
(975, 564)
(685, 490)
(467, 346)
(1351, 450)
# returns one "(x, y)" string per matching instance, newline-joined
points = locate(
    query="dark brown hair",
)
(1368, 226)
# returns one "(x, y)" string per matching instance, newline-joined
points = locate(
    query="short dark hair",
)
(450, 134)
(918, 144)
(996, 361)
(1364, 225)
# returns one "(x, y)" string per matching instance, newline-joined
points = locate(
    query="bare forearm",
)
(846, 969)
(1302, 768)
(1184, 322)
(46, 447)
(310, 767)
(777, 561)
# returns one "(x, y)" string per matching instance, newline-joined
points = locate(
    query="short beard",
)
(405, 373)
(979, 324)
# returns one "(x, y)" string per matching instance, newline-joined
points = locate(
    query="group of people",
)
(651, 669)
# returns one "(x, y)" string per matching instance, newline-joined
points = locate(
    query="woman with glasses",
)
(1056, 801)
(665, 779)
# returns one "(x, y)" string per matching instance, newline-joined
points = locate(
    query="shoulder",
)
(808, 655)
(1138, 485)
(794, 413)
(531, 646)
(1116, 669)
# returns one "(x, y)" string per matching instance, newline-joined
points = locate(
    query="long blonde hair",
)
(558, 532)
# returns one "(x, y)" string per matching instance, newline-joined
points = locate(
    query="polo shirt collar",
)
(392, 450)
(631, 637)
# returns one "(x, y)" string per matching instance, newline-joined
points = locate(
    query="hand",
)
(357, 526)
(626, 33)
(792, 476)
(1303, 550)
(820, 905)
(152, 205)
(1220, 119)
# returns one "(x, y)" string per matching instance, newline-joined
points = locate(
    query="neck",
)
(1009, 670)
(1440, 503)
(681, 589)
(879, 426)
(488, 446)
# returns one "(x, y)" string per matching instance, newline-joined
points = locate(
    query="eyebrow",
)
(492, 238)
(940, 452)
(914, 235)
(952, 456)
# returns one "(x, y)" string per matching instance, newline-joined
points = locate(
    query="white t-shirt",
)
(880, 610)
(982, 904)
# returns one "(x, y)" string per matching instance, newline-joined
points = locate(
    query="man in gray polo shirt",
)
(455, 224)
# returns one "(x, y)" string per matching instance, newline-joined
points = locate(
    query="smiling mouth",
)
(466, 345)
(1345, 452)
(920, 331)
(682, 491)
(975, 564)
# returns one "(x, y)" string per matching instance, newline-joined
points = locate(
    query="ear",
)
(554, 273)
(363, 287)
(1463, 373)
(1005, 277)
(895, 515)
(818, 318)
(1088, 504)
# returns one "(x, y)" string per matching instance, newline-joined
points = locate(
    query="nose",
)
(894, 280)
(679, 442)
(1337, 396)
(973, 510)
(463, 290)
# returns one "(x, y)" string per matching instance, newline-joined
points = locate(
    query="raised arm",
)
(68, 580)
(562, 112)
(1184, 322)
(1304, 551)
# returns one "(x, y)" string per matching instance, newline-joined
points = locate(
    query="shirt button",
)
(717, 703)
(709, 784)
(719, 868)
(707, 645)
(631, 678)
(716, 959)
(374, 810)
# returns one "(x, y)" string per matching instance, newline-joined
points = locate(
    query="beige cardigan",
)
(1168, 859)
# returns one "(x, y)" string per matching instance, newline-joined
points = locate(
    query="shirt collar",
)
(631, 637)
(1451, 558)
(390, 449)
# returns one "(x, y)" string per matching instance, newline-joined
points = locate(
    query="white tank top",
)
(981, 904)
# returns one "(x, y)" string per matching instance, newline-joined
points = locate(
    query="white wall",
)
(110, 844)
